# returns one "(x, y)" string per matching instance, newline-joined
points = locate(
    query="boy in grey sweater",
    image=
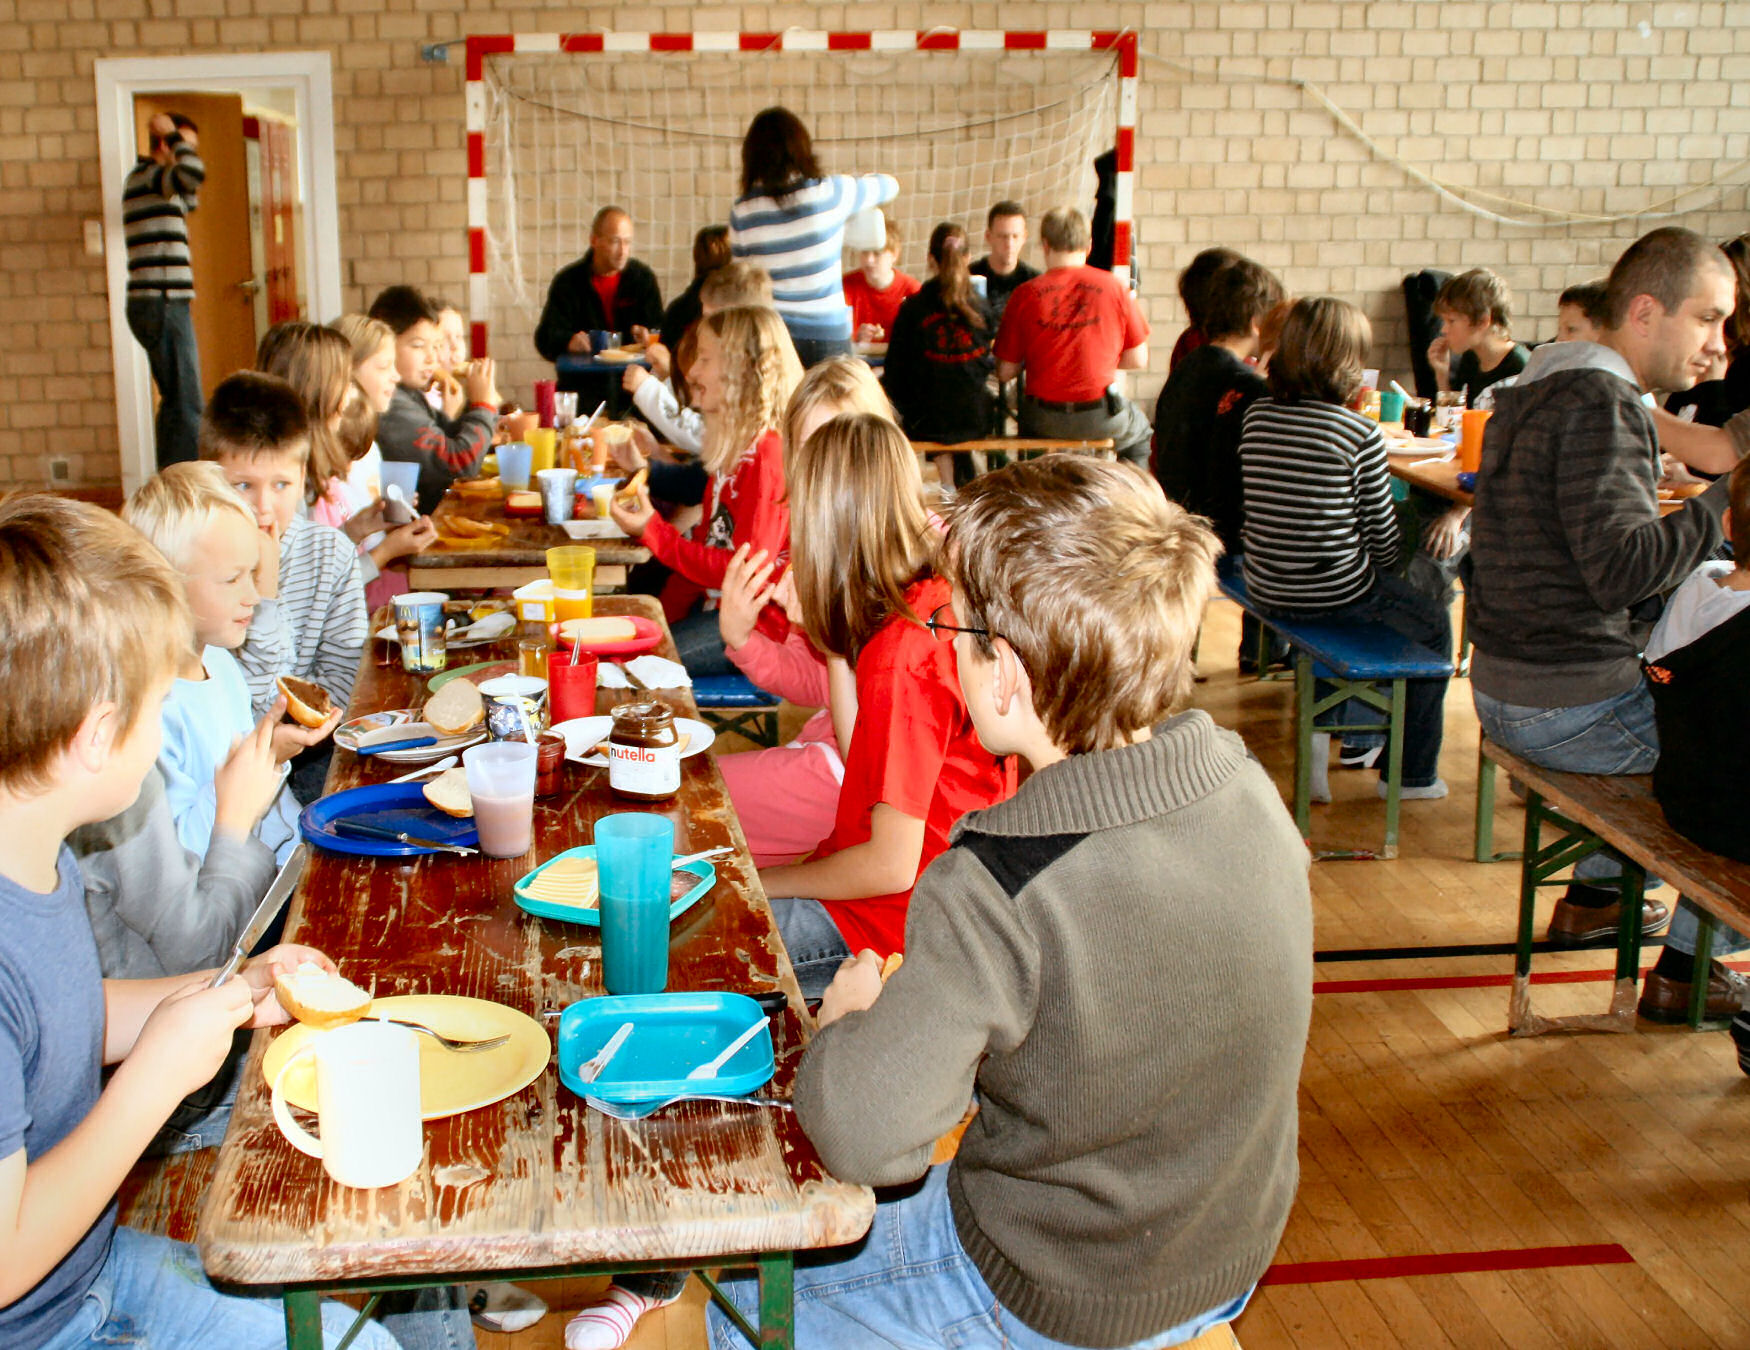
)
(1117, 961)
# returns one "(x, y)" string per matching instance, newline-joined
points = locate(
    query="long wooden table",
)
(1440, 476)
(516, 559)
(537, 1185)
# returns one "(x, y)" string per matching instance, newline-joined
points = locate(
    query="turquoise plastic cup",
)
(514, 462)
(634, 855)
(1391, 406)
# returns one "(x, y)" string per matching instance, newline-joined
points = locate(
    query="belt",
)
(1049, 406)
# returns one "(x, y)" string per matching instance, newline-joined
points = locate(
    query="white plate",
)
(592, 529)
(349, 734)
(583, 733)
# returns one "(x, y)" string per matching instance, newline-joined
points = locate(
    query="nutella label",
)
(651, 770)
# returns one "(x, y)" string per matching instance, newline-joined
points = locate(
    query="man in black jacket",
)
(1568, 548)
(605, 290)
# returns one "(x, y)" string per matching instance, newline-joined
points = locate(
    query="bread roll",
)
(456, 709)
(597, 630)
(320, 999)
(449, 793)
(308, 704)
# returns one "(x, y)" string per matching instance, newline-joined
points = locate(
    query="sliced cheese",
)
(569, 881)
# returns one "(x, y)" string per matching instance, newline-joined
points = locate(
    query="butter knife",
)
(265, 913)
(354, 828)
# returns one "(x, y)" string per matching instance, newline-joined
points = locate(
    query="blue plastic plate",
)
(393, 806)
(703, 875)
(672, 1035)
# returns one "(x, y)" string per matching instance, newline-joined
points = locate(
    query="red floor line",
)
(1446, 1263)
(1378, 986)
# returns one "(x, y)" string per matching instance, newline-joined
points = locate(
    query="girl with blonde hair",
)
(742, 377)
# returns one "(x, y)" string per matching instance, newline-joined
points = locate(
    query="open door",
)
(218, 230)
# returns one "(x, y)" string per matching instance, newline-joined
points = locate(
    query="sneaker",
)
(1358, 756)
(607, 1325)
(1428, 792)
(504, 1307)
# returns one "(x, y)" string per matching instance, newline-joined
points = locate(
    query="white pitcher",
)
(367, 1104)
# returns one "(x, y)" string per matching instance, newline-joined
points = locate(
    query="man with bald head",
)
(1571, 560)
(605, 290)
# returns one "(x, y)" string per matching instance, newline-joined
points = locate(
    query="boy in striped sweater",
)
(1320, 535)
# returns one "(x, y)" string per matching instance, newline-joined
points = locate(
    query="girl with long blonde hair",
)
(742, 377)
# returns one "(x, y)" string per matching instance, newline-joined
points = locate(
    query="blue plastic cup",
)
(514, 462)
(634, 854)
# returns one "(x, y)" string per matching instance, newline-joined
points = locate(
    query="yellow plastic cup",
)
(544, 441)
(572, 568)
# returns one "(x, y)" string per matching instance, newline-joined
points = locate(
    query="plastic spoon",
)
(447, 762)
(709, 1070)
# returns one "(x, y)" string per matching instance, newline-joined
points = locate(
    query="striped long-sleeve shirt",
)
(1318, 513)
(315, 628)
(800, 240)
(156, 200)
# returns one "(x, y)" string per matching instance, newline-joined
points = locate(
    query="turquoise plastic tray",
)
(672, 1034)
(706, 874)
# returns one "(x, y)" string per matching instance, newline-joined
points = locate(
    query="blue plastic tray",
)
(393, 806)
(672, 1035)
(706, 874)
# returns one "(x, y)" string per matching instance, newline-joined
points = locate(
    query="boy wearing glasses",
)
(1087, 957)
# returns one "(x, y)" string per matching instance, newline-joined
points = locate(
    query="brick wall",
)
(1581, 105)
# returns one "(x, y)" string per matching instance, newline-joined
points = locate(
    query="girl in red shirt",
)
(742, 375)
(861, 550)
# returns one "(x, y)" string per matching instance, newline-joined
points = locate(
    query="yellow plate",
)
(450, 1081)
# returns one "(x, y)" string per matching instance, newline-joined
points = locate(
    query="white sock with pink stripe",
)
(607, 1325)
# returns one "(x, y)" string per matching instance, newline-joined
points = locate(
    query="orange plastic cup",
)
(1470, 439)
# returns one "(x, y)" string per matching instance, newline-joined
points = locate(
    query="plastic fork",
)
(639, 1110)
(593, 1067)
(447, 762)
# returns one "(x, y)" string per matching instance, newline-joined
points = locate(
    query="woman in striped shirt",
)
(790, 219)
(1320, 536)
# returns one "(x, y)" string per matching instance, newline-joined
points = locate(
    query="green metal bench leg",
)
(777, 1301)
(1303, 734)
(303, 1319)
(1394, 778)
(1483, 840)
(1631, 887)
(1528, 880)
(1704, 963)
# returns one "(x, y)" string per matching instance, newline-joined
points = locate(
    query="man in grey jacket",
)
(1571, 557)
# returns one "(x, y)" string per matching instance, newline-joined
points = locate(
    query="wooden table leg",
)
(777, 1301)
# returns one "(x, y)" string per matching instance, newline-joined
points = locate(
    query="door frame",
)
(310, 76)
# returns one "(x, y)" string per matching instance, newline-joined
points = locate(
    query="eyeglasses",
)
(938, 623)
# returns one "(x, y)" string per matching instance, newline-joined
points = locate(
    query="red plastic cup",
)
(544, 391)
(570, 685)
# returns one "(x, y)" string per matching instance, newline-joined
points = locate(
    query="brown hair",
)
(859, 534)
(358, 425)
(1002, 209)
(173, 507)
(365, 334)
(1737, 253)
(841, 382)
(954, 273)
(1194, 280)
(737, 283)
(892, 235)
(760, 372)
(1321, 352)
(254, 414)
(1665, 264)
(1270, 329)
(401, 307)
(1064, 230)
(710, 250)
(1589, 298)
(1095, 580)
(777, 156)
(1739, 489)
(1480, 296)
(1238, 296)
(317, 362)
(92, 614)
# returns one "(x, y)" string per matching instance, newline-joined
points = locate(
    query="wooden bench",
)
(735, 703)
(163, 1195)
(1594, 811)
(1357, 659)
(1017, 447)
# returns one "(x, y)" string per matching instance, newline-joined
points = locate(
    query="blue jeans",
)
(165, 328)
(698, 641)
(812, 351)
(1422, 619)
(909, 1284)
(817, 948)
(1614, 736)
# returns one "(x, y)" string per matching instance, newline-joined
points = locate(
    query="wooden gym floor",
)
(1457, 1189)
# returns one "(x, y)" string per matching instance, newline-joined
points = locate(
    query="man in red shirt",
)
(606, 290)
(1071, 330)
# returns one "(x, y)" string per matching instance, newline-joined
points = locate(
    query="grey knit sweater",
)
(1119, 960)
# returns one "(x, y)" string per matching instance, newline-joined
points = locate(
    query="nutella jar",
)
(644, 752)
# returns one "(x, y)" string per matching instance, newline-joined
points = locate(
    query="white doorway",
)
(299, 84)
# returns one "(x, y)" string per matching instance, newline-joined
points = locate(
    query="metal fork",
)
(460, 1047)
(639, 1110)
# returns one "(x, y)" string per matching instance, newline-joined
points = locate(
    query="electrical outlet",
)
(60, 471)
(435, 53)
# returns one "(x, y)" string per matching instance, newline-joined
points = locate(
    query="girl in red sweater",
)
(742, 376)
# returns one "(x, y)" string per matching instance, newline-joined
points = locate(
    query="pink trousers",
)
(786, 798)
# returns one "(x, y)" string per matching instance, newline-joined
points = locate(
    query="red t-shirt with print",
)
(607, 286)
(1067, 327)
(914, 748)
(869, 305)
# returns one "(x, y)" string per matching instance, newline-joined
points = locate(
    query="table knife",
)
(387, 746)
(353, 827)
(265, 913)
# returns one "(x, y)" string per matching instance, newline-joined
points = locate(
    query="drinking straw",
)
(597, 413)
(528, 727)
(1405, 392)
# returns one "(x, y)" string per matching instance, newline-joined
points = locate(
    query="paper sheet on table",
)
(654, 672)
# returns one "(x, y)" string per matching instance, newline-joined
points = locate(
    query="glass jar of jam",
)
(644, 752)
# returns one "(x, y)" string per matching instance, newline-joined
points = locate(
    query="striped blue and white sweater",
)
(1318, 505)
(799, 239)
(156, 200)
(315, 628)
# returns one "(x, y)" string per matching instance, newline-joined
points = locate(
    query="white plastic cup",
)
(501, 780)
(558, 494)
(367, 1104)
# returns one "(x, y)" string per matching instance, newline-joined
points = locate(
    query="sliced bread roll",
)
(308, 704)
(597, 630)
(449, 793)
(320, 999)
(455, 709)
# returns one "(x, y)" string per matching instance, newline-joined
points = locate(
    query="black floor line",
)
(1459, 949)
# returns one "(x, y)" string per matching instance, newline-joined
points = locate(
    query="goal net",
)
(660, 135)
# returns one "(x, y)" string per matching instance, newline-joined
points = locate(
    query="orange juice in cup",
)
(1470, 439)
(607, 439)
(543, 441)
(572, 568)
